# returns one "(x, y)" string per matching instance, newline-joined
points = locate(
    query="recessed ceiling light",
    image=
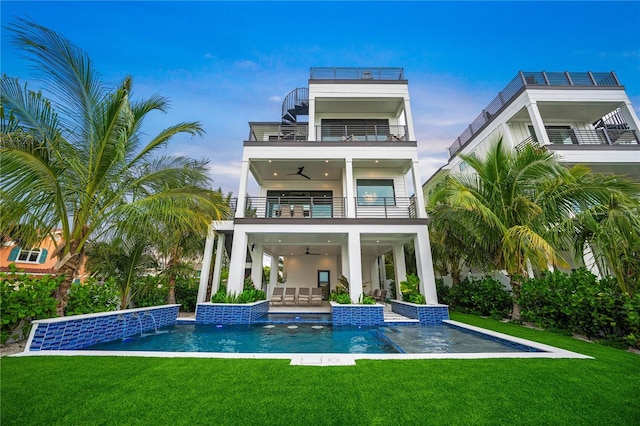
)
(326, 161)
(269, 160)
(328, 241)
(326, 174)
(376, 161)
(377, 241)
(275, 174)
(279, 241)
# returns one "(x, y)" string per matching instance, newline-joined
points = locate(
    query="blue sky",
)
(227, 63)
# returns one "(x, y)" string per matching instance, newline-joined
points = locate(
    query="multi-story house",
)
(583, 117)
(335, 193)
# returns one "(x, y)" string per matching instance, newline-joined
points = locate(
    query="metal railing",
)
(600, 136)
(528, 79)
(386, 207)
(278, 132)
(361, 133)
(294, 104)
(297, 207)
(357, 74)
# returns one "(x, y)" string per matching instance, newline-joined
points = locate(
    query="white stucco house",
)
(338, 187)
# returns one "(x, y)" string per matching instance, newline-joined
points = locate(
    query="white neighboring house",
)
(583, 117)
(335, 193)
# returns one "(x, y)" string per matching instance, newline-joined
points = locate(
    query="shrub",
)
(249, 294)
(442, 290)
(150, 291)
(341, 298)
(23, 299)
(481, 297)
(187, 293)
(93, 296)
(411, 290)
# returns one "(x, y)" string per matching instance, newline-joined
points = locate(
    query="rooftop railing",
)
(531, 79)
(600, 136)
(357, 74)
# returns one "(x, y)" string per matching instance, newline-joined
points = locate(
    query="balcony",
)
(329, 208)
(600, 136)
(275, 132)
(525, 80)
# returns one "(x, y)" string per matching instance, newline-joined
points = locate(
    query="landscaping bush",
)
(411, 290)
(249, 294)
(485, 296)
(340, 294)
(187, 293)
(581, 304)
(23, 299)
(442, 291)
(92, 296)
(150, 291)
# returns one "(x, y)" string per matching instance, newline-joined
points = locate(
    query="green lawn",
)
(118, 390)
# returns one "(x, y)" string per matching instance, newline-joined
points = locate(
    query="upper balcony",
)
(359, 74)
(530, 80)
(277, 132)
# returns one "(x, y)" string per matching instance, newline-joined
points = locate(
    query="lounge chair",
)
(289, 296)
(298, 211)
(382, 297)
(316, 296)
(303, 296)
(278, 294)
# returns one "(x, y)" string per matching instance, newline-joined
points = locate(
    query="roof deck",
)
(529, 80)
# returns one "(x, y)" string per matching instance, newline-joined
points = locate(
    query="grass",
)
(158, 391)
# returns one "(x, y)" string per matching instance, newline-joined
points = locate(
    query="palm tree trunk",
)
(171, 297)
(68, 269)
(515, 287)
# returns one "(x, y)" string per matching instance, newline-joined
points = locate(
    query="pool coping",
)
(340, 359)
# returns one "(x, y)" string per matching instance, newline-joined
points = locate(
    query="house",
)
(34, 261)
(583, 117)
(335, 193)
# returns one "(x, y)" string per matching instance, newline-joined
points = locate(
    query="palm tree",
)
(513, 208)
(83, 167)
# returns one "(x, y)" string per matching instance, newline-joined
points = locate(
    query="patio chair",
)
(289, 296)
(316, 296)
(277, 296)
(298, 211)
(382, 297)
(303, 296)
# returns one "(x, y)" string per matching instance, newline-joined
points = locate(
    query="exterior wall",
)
(230, 313)
(81, 331)
(302, 271)
(45, 267)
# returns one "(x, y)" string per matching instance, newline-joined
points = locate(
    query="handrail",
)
(530, 79)
(293, 207)
(600, 136)
(364, 133)
(349, 73)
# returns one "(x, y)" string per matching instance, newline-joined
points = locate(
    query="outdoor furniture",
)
(303, 296)
(316, 296)
(381, 297)
(277, 296)
(289, 296)
(298, 211)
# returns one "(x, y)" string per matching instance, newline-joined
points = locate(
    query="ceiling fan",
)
(299, 172)
(307, 253)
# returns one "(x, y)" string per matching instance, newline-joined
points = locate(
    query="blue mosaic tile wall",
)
(426, 314)
(516, 345)
(228, 314)
(82, 332)
(357, 315)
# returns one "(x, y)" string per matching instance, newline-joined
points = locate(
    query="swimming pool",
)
(313, 338)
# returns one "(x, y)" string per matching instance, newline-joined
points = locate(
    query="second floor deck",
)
(277, 132)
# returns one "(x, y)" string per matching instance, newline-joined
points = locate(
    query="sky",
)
(225, 64)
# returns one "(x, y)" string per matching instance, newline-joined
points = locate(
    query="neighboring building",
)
(583, 117)
(30, 260)
(335, 194)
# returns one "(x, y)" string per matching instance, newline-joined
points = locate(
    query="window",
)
(463, 165)
(34, 255)
(375, 192)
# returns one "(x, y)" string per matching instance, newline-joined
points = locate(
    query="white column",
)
(273, 276)
(538, 124)
(424, 265)
(421, 211)
(355, 267)
(206, 265)
(409, 119)
(242, 191)
(237, 263)
(382, 272)
(345, 259)
(590, 261)
(256, 265)
(217, 267)
(400, 267)
(375, 276)
(312, 119)
(350, 189)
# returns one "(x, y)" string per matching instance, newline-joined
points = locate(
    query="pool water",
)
(310, 338)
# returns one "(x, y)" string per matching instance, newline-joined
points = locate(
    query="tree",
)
(83, 167)
(515, 206)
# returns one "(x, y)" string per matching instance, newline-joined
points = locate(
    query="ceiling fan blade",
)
(305, 176)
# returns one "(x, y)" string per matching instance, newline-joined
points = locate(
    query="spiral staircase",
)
(296, 103)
